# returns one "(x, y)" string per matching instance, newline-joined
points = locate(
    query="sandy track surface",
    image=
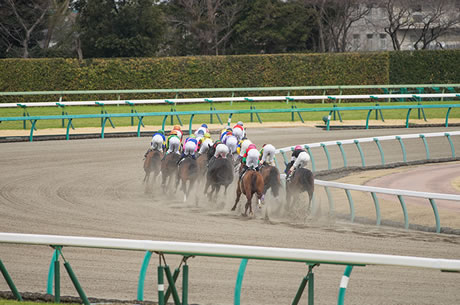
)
(94, 188)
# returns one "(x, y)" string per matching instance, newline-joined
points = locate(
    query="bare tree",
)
(60, 9)
(438, 17)
(400, 21)
(27, 22)
(338, 16)
(211, 22)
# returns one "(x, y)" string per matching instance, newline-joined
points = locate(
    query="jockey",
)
(250, 159)
(190, 147)
(232, 142)
(299, 159)
(221, 151)
(173, 142)
(158, 140)
(238, 131)
(204, 128)
(224, 132)
(243, 146)
(204, 143)
(179, 130)
(199, 134)
(267, 154)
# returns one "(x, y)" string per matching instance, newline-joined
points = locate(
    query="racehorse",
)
(202, 162)
(219, 173)
(271, 177)
(152, 164)
(252, 182)
(301, 181)
(187, 171)
(168, 169)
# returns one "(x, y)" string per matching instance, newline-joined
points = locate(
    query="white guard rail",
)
(234, 251)
(238, 99)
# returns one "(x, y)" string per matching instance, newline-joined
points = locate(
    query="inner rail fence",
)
(400, 194)
(104, 116)
(312, 258)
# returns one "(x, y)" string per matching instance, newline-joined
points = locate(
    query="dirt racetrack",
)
(94, 188)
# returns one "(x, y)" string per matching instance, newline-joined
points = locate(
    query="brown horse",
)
(202, 162)
(168, 169)
(187, 171)
(302, 180)
(152, 163)
(271, 177)
(252, 182)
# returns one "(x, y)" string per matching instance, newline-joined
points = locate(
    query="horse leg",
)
(238, 195)
(248, 206)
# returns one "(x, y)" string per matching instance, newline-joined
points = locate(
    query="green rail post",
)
(25, 113)
(103, 111)
(211, 108)
(329, 120)
(190, 124)
(185, 284)
(142, 273)
(344, 284)
(139, 125)
(75, 282)
(447, 116)
(31, 136)
(426, 146)
(161, 285)
(403, 149)
(57, 279)
(49, 287)
(382, 156)
(351, 204)
(285, 158)
(173, 109)
(343, 154)
(311, 284)
(67, 133)
(62, 106)
(452, 148)
(133, 111)
(403, 206)
(377, 207)
(172, 285)
(10, 282)
(239, 281)
(300, 291)
(169, 290)
(421, 111)
(313, 167)
(329, 164)
(164, 122)
(436, 215)
(407, 117)
(361, 153)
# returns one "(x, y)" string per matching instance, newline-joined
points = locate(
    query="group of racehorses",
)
(221, 172)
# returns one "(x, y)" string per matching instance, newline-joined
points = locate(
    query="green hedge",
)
(192, 72)
(425, 67)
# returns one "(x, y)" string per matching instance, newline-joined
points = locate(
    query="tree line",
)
(147, 28)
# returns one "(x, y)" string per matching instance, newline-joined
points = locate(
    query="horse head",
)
(211, 151)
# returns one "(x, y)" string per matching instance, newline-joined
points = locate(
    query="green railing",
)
(104, 116)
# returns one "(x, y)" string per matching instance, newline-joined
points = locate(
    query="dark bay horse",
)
(301, 181)
(202, 162)
(219, 173)
(272, 181)
(152, 164)
(251, 183)
(187, 172)
(168, 169)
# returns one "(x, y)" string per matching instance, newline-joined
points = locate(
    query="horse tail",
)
(307, 181)
(274, 181)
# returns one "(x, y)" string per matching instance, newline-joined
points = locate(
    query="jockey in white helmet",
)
(268, 154)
